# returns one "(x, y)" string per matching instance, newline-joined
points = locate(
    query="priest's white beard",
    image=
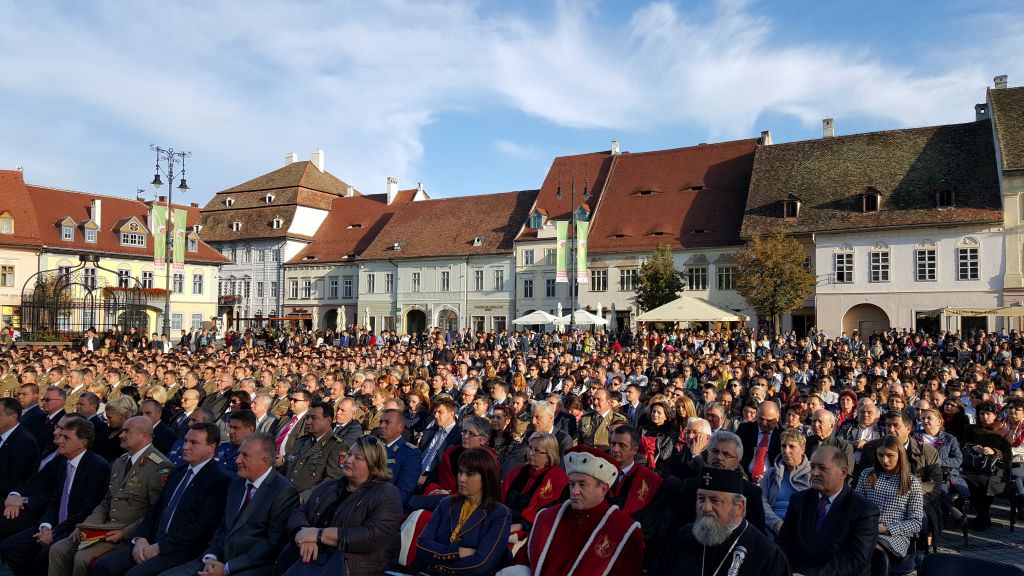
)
(711, 532)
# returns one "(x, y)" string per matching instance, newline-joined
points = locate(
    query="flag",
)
(159, 229)
(180, 218)
(562, 253)
(582, 234)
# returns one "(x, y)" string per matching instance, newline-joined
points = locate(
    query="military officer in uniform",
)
(596, 426)
(136, 482)
(404, 459)
(241, 425)
(317, 454)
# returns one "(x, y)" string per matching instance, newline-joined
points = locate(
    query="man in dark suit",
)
(189, 403)
(18, 449)
(761, 440)
(346, 426)
(217, 402)
(543, 420)
(83, 482)
(292, 425)
(442, 434)
(163, 436)
(404, 460)
(829, 529)
(183, 521)
(255, 526)
(88, 406)
(32, 416)
(52, 404)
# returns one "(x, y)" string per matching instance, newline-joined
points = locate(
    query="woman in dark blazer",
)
(358, 514)
(468, 532)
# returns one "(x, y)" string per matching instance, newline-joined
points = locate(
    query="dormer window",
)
(229, 201)
(67, 230)
(353, 226)
(197, 228)
(277, 223)
(236, 226)
(791, 207)
(871, 199)
(396, 246)
(133, 235)
(268, 198)
(536, 219)
(944, 198)
(6, 223)
(478, 241)
(193, 245)
(90, 235)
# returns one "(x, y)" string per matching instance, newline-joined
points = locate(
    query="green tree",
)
(772, 278)
(659, 282)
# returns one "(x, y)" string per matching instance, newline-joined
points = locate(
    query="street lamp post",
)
(171, 158)
(573, 246)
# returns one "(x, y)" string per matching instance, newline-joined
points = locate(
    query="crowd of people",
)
(662, 452)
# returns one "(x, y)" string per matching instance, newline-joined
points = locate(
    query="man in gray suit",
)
(255, 526)
(265, 419)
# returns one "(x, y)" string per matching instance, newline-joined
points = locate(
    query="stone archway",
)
(448, 320)
(865, 318)
(331, 320)
(415, 321)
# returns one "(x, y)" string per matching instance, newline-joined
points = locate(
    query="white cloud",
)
(241, 83)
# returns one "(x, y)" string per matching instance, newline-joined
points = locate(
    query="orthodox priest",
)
(586, 536)
(721, 542)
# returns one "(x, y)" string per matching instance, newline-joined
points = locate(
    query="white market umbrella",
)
(583, 318)
(536, 317)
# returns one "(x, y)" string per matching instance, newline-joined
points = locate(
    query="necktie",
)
(284, 433)
(822, 512)
(175, 499)
(759, 457)
(428, 458)
(62, 514)
(246, 499)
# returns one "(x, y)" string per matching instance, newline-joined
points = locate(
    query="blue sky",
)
(467, 97)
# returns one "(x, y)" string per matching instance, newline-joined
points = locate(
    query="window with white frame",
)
(415, 281)
(236, 226)
(197, 321)
(178, 282)
(389, 282)
(696, 277)
(7, 224)
(273, 290)
(89, 277)
(90, 235)
(628, 278)
(527, 287)
(246, 256)
(549, 256)
(176, 320)
(528, 257)
(332, 288)
(124, 278)
(134, 239)
(259, 289)
(446, 281)
(967, 261)
(549, 287)
(246, 286)
(879, 263)
(598, 280)
(67, 233)
(197, 284)
(307, 289)
(925, 264)
(499, 280)
(725, 277)
(842, 267)
(293, 289)
(193, 245)
(371, 283)
(478, 280)
(346, 287)
(275, 255)
(147, 279)
(260, 255)
(7, 276)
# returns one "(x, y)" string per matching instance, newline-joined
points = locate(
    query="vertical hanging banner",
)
(562, 252)
(582, 234)
(158, 225)
(178, 221)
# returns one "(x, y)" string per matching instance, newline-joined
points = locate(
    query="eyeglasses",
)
(717, 452)
(532, 450)
(468, 434)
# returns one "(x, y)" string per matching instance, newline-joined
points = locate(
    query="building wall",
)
(325, 307)
(253, 269)
(25, 263)
(903, 295)
(387, 309)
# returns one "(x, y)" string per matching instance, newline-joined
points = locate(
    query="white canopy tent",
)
(690, 309)
(536, 317)
(582, 318)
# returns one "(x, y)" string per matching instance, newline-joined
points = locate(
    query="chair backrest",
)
(956, 565)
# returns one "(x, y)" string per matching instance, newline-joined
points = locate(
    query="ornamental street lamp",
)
(573, 245)
(171, 159)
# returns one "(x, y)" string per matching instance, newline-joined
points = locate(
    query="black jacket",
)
(19, 457)
(199, 512)
(748, 432)
(844, 545)
(87, 490)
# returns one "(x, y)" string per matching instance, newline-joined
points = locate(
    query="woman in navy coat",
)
(468, 532)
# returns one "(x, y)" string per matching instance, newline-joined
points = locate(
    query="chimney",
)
(318, 158)
(766, 138)
(194, 204)
(828, 128)
(350, 192)
(290, 158)
(980, 111)
(616, 148)
(1000, 81)
(392, 189)
(97, 211)
(162, 199)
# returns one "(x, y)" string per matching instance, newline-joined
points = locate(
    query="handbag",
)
(978, 463)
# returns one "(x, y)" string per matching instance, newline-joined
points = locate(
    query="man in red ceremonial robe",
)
(586, 536)
(637, 485)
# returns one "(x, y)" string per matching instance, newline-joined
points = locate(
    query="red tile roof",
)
(685, 198)
(15, 200)
(589, 169)
(53, 205)
(303, 174)
(350, 228)
(448, 226)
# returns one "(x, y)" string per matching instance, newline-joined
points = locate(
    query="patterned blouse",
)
(903, 515)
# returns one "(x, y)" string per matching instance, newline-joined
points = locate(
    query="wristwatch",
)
(320, 536)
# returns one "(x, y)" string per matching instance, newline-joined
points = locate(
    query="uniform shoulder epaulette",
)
(157, 458)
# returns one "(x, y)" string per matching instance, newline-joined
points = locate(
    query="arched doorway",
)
(865, 318)
(415, 322)
(448, 320)
(331, 319)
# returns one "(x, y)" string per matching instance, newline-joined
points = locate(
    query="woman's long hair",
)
(891, 442)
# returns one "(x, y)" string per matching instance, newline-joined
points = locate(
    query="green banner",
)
(582, 234)
(180, 218)
(561, 251)
(158, 225)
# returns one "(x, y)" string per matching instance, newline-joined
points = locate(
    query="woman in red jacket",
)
(535, 485)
